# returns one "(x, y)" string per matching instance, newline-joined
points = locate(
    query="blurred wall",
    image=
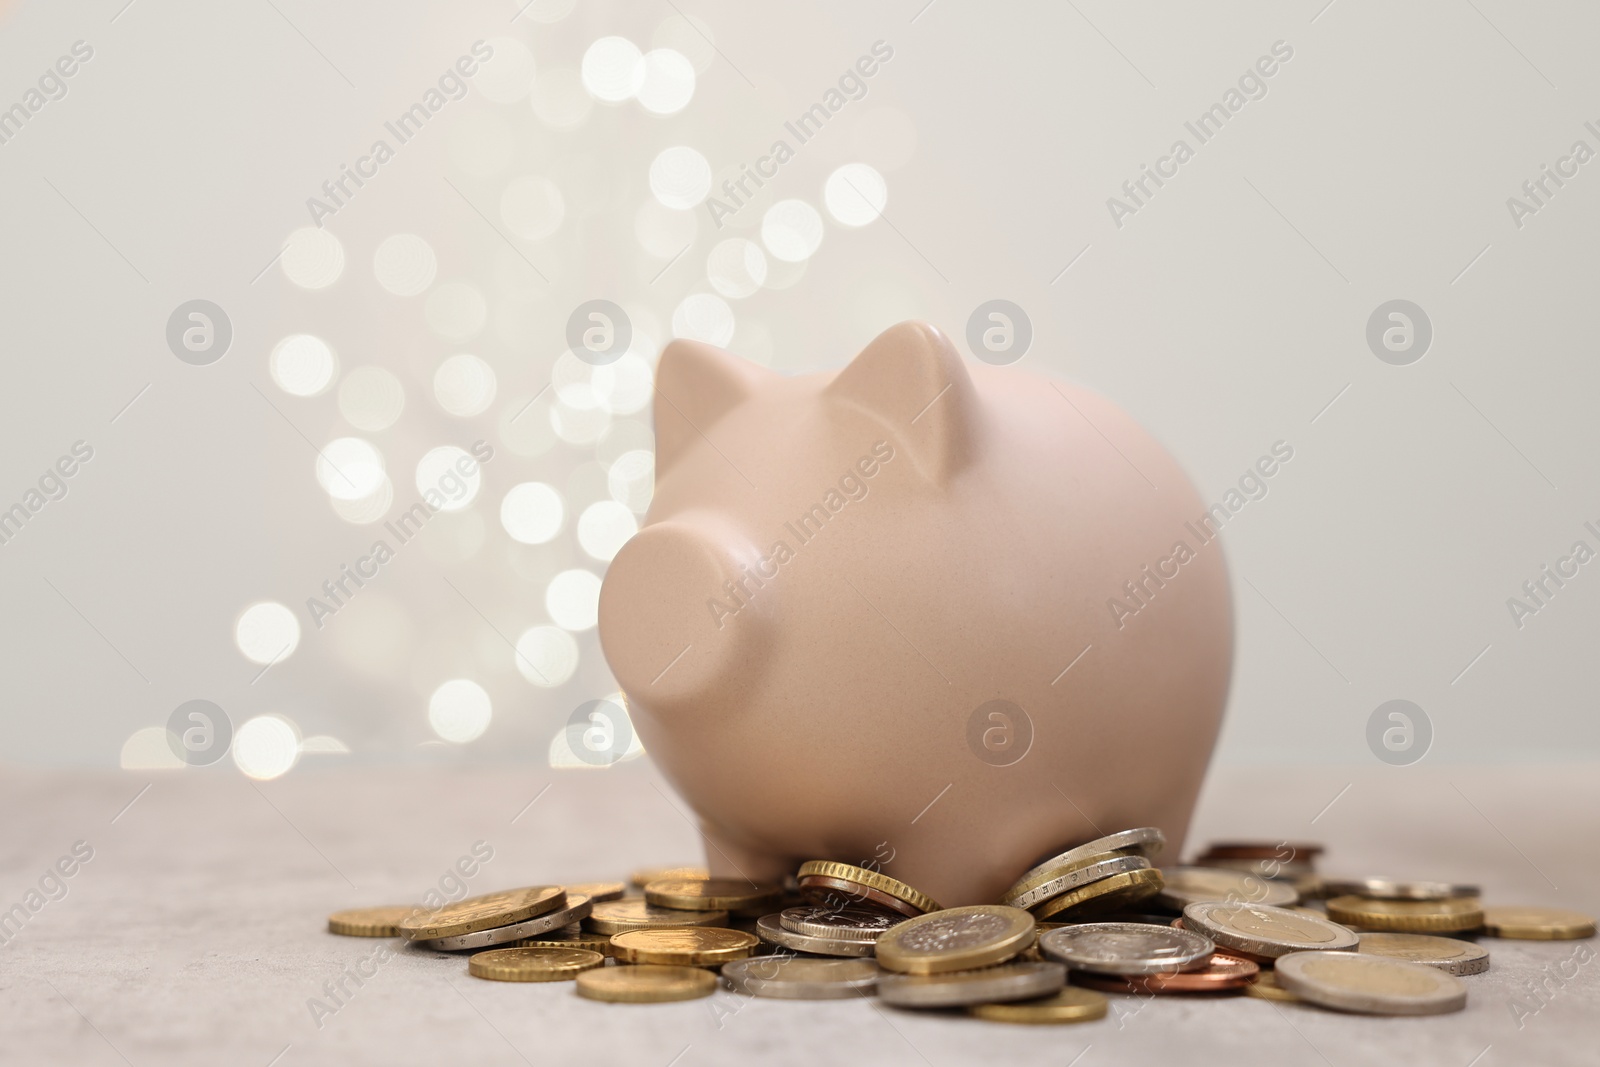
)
(998, 152)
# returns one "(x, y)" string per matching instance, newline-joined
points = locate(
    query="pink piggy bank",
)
(937, 619)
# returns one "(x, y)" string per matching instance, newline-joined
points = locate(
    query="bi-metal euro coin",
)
(956, 939)
(1451, 955)
(1264, 931)
(1373, 985)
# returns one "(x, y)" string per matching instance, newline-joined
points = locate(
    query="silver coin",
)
(838, 924)
(1450, 954)
(986, 985)
(1080, 877)
(770, 928)
(1127, 948)
(577, 908)
(1396, 889)
(1147, 841)
(1265, 931)
(1373, 985)
(801, 977)
(1183, 886)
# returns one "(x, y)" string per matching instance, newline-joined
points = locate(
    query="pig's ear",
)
(674, 633)
(696, 384)
(913, 381)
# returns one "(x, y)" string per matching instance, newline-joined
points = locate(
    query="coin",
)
(1103, 897)
(683, 946)
(838, 924)
(711, 894)
(1526, 923)
(1260, 930)
(645, 876)
(533, 964)
(1449, 954)
(864, 878)
(633, 913)
(770, 928)
(1127, 948)
(646, 983)
(382, 921)
(597, 891)
(1190, 885)
(841, 893)
(576, 909)
(1265, 985)
(1066, 878)
(1146, 841)
(1351, 981)
(801, 978)
(1070, 1005)
(1008, 981)
(1395, 889)
(482, 912)
(573, 936)
(1420, 916)
(956, 939)
(1222, 973)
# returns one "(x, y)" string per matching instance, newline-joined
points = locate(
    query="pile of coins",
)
(1095, 919)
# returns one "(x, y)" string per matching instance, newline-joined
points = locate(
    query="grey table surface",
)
(195, 933)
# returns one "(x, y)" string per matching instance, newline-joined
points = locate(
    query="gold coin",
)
(596, 891)
(1050, 874)
(1408, 916)
(573, 936)
(482, 912)
(1528, 923)
(646, 983)
(872, 880)
(684, 946)
(955, 939)
(1265, 985)
(382, 921)
(712, 894)
(1107, 895)
(645, 876)
(1072, 1005)
(634, 913)
(533, 964)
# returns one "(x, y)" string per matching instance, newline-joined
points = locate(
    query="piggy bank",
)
(937, 619)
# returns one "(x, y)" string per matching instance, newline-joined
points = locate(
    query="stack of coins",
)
(1069, 931)
(1105, 876)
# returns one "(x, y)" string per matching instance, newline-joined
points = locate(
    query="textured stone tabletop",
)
(195, 931)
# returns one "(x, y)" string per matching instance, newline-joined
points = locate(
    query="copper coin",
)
(833, 892)
(1225, 973)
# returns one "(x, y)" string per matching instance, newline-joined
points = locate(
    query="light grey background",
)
(1228, 314)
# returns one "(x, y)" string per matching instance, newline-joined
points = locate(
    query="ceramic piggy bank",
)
(934, 618)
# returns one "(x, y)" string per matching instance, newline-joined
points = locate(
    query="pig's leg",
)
(729, 860)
